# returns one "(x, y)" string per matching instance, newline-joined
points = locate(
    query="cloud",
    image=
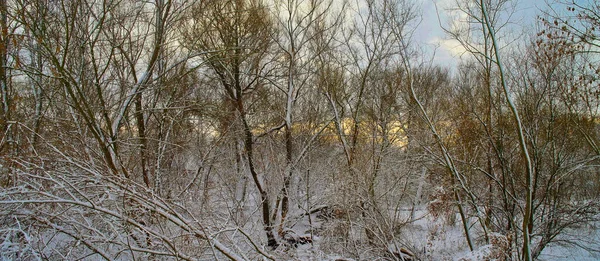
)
(450, 46)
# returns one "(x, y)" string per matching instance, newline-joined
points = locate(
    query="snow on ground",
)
(439, 239)
(560, 253)
(586, 236)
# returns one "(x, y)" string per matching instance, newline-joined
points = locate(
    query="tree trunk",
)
(265, 202)
(141, 128)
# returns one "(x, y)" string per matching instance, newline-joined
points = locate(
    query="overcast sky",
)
(431, 35)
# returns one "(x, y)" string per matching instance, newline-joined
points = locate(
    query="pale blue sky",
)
(430, 34)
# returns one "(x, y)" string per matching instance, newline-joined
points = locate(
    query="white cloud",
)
(451, 46)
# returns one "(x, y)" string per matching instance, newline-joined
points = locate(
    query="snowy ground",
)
(588, 237)
(437, 240)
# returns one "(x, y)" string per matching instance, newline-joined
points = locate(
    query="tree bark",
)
(265, 202)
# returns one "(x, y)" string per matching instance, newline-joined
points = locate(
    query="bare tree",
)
(300, 24)
(240, 30)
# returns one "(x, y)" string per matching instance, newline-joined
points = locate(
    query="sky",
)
(431, 36)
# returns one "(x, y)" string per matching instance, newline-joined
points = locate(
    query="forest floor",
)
(439, 239)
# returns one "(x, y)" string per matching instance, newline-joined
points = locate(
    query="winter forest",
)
(298, 130)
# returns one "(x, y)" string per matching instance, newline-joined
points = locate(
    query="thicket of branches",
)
(209, 129)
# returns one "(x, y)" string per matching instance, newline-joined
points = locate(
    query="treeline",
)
(180, 129)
